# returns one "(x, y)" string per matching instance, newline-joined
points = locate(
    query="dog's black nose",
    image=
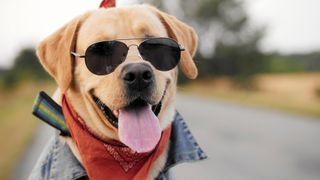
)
(137, 76)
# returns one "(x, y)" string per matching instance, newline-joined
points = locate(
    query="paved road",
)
(242, 143)
(43, 134)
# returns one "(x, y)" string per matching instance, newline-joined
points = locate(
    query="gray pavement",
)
(243, 143)
(250, 144)
(33, 151)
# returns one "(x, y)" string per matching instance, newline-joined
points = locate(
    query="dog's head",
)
(125, 103)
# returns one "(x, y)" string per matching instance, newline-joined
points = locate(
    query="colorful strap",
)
(50, 112)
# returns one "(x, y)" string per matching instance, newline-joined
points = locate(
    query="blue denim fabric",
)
(58, 163)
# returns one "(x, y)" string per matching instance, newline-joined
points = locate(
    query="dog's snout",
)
(137, 76)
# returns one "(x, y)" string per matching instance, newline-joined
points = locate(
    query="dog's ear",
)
(54, 52)
(184, 35)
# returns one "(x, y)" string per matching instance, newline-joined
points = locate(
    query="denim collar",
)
(60, 163)
(183, 147)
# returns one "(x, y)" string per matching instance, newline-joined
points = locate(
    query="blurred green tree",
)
(304, 62)
(228, 41)
(26, 67)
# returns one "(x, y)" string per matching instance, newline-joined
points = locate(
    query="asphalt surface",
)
(33, 151)
(243, 143)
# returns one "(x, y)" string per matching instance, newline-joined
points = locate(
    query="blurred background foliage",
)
(229, 56)
(229, 42)
(26, 68)
(228, 46)
(18, 88)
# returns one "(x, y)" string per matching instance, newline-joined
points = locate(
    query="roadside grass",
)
(17, 125)
(293, 93)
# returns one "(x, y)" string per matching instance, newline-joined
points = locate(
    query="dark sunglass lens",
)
(162, 53)
(104, 57)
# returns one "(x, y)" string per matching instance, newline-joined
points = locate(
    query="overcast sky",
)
(293, 25)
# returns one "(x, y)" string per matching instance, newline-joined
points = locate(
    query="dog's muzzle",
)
(137, 121)
(138, 79)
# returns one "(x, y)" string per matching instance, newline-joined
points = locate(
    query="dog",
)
(116, 69)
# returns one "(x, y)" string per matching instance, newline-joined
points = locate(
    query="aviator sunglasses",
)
(102, 58)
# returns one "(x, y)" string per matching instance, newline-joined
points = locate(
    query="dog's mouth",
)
(137, 123)
(113, 115)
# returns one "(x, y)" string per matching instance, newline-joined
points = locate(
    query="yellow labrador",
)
(105, 95)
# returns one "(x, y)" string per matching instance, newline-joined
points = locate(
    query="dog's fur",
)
(75, 80)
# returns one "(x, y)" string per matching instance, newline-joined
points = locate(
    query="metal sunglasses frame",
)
(182, 48)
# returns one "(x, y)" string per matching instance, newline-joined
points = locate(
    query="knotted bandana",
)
(110, 160)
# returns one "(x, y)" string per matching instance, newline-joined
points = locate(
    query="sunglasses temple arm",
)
(182, 48)
(77, 55)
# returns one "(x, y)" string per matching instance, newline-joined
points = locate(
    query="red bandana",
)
(107, 3)
(103, 160)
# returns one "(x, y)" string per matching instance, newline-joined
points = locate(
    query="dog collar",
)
(50, 112)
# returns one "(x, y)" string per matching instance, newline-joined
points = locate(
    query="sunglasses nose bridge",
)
(134, 53)
(133, 45)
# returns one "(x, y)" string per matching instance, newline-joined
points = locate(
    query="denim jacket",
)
(57, 162)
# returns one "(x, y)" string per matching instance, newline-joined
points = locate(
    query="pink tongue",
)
(139, 128)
